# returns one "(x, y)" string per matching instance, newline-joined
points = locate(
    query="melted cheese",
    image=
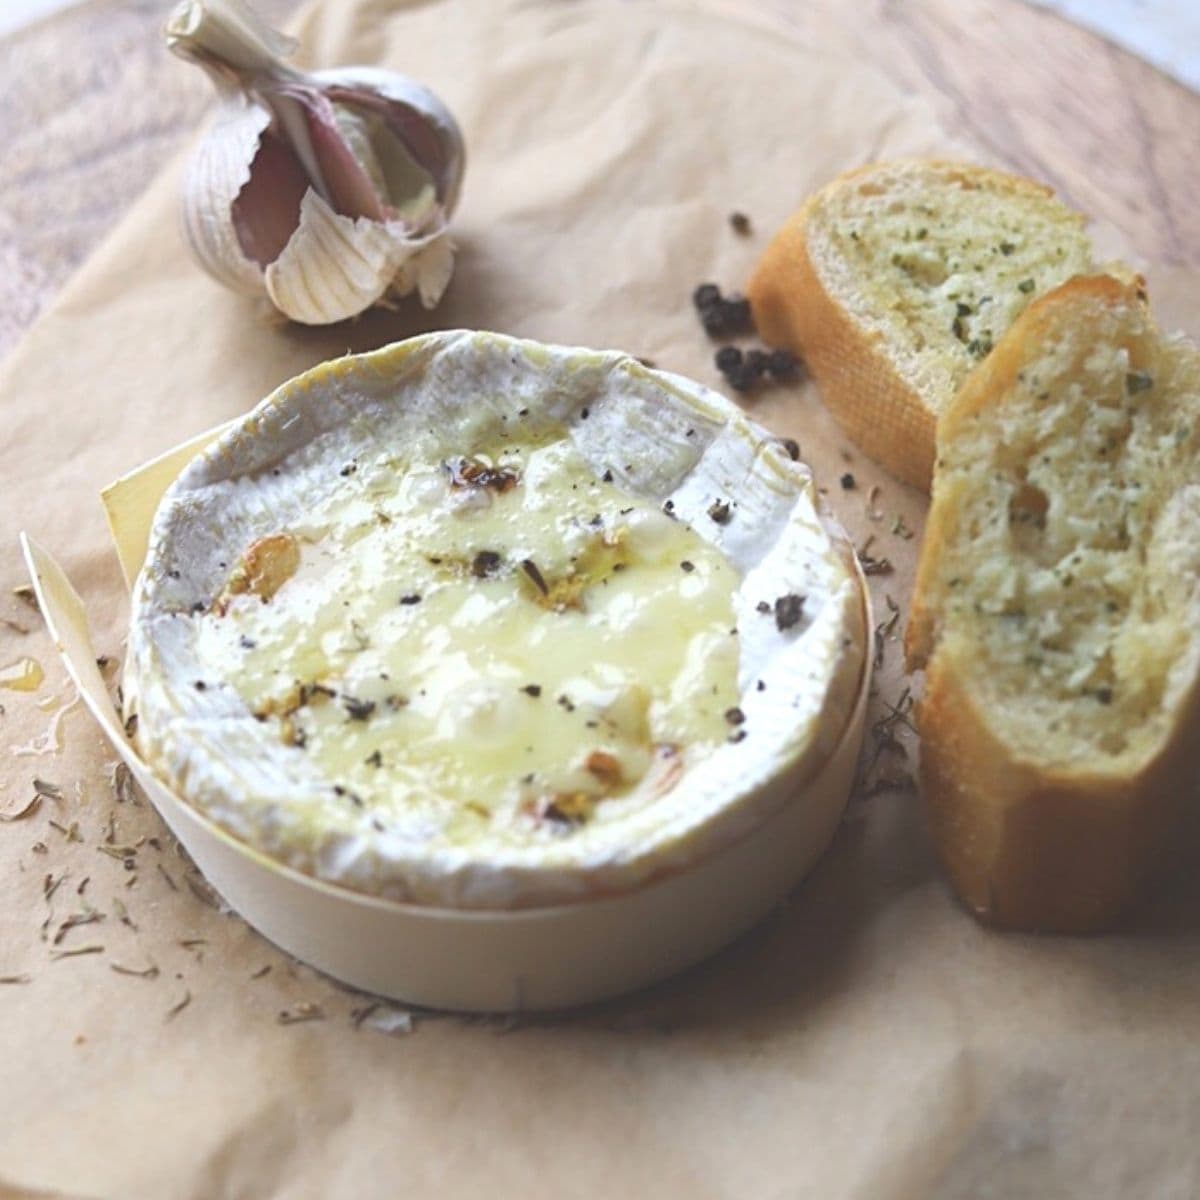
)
(477, 622)
(512, 655)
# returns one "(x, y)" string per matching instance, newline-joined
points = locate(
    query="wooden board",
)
(91, 105)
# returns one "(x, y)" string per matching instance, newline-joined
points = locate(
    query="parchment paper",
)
(868, 1040)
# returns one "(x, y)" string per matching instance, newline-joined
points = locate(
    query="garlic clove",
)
(217, 173)
(334, 267)
(415, 116)
(329, 191)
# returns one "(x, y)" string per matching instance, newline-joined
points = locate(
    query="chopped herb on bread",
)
(1056, 611)
(896, 280)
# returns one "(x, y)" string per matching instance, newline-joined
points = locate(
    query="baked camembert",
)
(483, 623)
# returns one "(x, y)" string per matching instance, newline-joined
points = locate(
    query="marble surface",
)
(1164, 32)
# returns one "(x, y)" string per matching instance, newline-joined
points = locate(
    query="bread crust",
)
(860, 384)
(880, 412)
(1026, 846)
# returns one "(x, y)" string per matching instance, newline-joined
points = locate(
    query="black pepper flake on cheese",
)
(532, 689)
(565, 702)
(374, 759)
(720, 512)
(607, 476)
(172, 574)
(848, 482)
(735, 716)
(199, 685)
(792, 447)
(584, 413)
(762, 687)
(348, 470)
(535, 576)
(410, 598)
(1138, 381)
(789, 608)
(358, 710)
(689, 567)
(346, 793)
(738, 735)
(247, 643)
(763, 607)
(484, 563)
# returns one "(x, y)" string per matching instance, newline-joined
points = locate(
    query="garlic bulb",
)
(329, 192)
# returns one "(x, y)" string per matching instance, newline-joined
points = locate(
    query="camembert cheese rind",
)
(477, 622)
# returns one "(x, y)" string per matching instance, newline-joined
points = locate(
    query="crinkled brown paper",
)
(867, 1040)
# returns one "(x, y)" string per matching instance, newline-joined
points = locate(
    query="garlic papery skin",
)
(326, 192)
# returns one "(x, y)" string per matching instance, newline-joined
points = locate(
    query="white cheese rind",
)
(662, 439)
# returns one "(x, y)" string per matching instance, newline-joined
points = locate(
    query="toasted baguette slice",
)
(895, 280)
(1057, 612)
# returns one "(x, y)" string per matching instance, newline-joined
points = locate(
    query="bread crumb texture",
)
(896, 280)
(1057, 605)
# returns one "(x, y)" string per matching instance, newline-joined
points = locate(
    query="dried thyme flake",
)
(871, 565)
(176, 1009)
(306, 1010)
(123, 913)
(261, 972)
(70, 832)
(1026, 286)
(202, 892)
(25, 593)
(792, 447)
(150, 972)
(89, 916)
(535, 576)
(26, 810)
(170, 882)
(362, 1012)
(374, 759)
(740, 224)
(883, 731)
(471, 472)
(873, 511)
(122, 783)
(192, 943)
(900, 529)
(1138, 381)
(51, 884)
(5, 979)
(77, 952)
(120, 853)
